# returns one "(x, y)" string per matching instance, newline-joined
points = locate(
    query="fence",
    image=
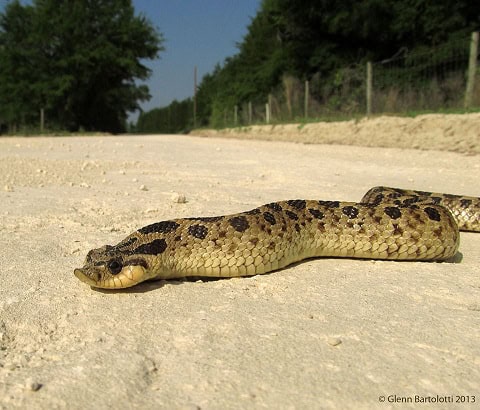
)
(441, 78)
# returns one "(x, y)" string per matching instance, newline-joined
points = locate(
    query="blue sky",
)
(198, 33)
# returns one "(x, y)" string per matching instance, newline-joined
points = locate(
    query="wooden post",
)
(369, 88)
(270, 106)
(42, 120)
(250, 112)
(235, 115)
(267, 113)
(169, 116)
(307, 97)
(472, 68)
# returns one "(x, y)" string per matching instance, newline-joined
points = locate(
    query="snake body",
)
(388, 223)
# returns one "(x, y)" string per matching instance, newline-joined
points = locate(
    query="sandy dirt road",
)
(326, 333)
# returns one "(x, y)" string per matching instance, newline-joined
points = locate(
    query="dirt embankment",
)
(444, 132)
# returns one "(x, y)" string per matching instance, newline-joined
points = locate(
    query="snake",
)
(388, 224)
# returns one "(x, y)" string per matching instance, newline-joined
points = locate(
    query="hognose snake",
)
(388, 223)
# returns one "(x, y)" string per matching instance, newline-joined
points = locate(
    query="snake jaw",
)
(81, 274)
(129, 276)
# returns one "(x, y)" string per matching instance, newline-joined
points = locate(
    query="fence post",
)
(307, 98)
(267, 113)
(42, 120)
(270, 106)
(369, 88)
(472, 68)
(250, 112)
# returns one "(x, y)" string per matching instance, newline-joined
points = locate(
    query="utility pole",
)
(195, 97)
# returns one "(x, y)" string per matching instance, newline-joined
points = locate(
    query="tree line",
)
(76, 61)
(80, 63)
(173, 119)
(312, 39)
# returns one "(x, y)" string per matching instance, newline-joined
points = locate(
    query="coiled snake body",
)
(388, 223)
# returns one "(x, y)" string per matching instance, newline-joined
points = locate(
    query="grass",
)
(341, 117)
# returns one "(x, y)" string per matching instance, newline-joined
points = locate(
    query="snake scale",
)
(388, 223)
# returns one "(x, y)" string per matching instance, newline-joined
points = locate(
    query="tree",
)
(318, 40)
(177, 117)
(78, 60)
(17, 55)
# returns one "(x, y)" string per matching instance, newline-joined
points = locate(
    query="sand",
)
(326, 333)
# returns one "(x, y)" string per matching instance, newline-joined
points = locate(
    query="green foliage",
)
(328, 42)
(176, 118)
(16, 63)
(76, 59)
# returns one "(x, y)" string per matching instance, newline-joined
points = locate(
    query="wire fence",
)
(440, 78)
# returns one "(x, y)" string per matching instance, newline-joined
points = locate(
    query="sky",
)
(198, 33)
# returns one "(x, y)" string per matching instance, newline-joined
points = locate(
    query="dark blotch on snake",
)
(136, 262)
(240, 223)
(155, 247)
(432, 213)
(253, 212)
(423, 193)
(394, 195)
(198, 231)
(378, 199)
(127, 243)
(275, 206)
(393, 212)
(350, 211)
(330, 204)
(292, 215)
(269, 218)
(297, 204)
(316, 213)
(159, 227)
(465, 203)
(410, 201)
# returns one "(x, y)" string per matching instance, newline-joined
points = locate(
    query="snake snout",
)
(92, 278)
(79, 273)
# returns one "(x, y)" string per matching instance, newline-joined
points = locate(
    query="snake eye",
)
(114, 266)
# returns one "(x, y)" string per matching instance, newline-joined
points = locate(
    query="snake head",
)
(109, 268)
